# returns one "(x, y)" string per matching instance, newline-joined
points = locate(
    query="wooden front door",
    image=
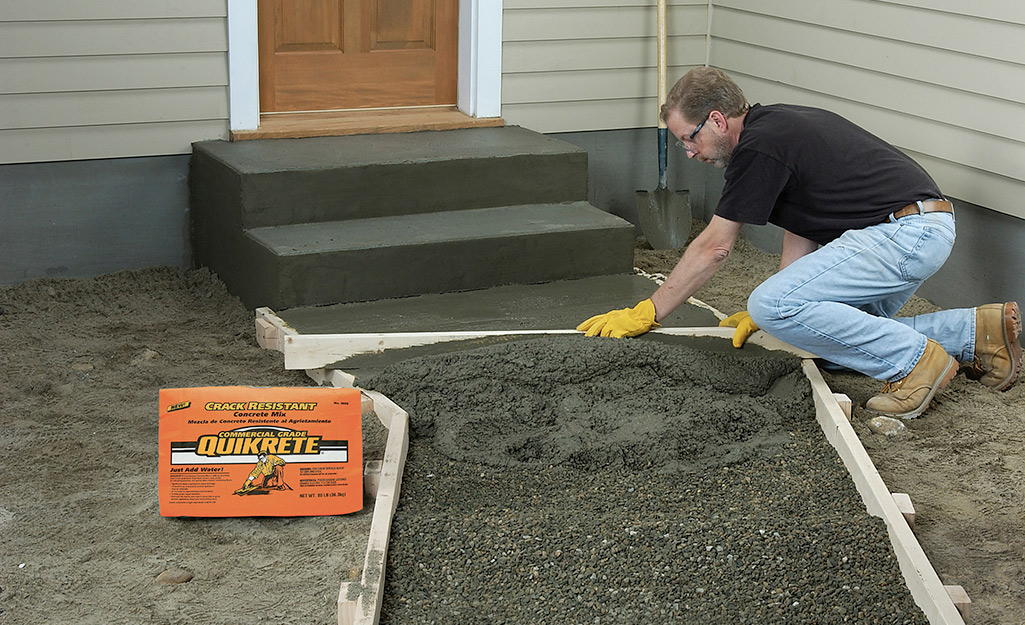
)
(318, 55)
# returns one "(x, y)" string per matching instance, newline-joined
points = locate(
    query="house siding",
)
(940, 79)
(110, 78)
(85, 84)
(575, 65)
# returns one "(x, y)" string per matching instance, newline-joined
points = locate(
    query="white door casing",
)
(480, 61)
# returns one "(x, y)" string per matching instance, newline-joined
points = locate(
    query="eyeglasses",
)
(693, 134)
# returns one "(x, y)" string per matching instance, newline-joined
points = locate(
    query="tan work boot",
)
(909, 396)
(997, 350)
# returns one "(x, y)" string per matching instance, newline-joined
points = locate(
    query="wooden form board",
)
(922, 580)
(359, 603)
(357, 598)
(313, 351)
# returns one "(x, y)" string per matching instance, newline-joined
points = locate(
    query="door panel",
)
(308, 25)
(402, 25)
(337, 54)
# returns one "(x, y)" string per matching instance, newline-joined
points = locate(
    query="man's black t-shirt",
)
(816, 174)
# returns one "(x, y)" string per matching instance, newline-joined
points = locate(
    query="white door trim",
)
(243, 66)
(480, 58)
(479, 72)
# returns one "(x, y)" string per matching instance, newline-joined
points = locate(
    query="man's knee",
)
(762, 306)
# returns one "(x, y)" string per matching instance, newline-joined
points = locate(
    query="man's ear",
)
(719, 120)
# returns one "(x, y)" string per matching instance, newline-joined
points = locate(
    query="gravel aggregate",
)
(570, 480)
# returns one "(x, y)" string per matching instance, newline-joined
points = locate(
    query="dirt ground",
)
(82, 539)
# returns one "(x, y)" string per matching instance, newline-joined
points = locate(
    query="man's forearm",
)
(686, 278)
(702, 258)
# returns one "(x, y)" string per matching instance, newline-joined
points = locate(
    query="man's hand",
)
(742, 322)
(622, 323)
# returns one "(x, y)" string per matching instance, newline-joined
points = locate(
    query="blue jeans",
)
(839, 301)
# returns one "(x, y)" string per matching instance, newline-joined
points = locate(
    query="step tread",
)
(552, 305)
(325, 153)
(418, 229)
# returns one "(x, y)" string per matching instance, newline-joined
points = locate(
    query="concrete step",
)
(305, 222)
(287, 181)
(387, 257)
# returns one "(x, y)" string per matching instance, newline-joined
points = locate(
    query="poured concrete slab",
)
(556, 305)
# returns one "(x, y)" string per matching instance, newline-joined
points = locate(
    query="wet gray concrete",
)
(408, 255)
(286, 181)
(666, 403)
(549, 306)
(365, 366)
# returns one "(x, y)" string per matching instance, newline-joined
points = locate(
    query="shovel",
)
(664, 215)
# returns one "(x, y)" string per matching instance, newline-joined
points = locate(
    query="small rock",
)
(82, 366)
(886, 426)
(145, 355)
(174, 576)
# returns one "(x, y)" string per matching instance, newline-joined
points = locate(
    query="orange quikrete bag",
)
(234, 451)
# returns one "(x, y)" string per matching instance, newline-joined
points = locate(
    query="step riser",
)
(218, 240)
(380, 273)
(410, 188)
(397, 215)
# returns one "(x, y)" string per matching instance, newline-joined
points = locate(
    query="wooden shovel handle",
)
(661, 59)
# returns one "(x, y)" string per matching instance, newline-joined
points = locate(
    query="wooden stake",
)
(906, 508)
(845, 404)
(372, 478)
(347, 595)
(271, 330)
(961, 600)
(267, 336)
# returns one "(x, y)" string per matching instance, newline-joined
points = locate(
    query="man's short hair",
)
(701, 91)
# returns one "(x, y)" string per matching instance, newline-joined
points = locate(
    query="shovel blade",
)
(665, 217)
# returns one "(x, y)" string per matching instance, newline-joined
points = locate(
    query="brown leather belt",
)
(936, 206)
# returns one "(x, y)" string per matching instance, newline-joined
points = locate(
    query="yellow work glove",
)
(622, 323)
(742, 322)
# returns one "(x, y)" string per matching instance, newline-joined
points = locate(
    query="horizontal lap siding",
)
(62, 10)
(574, 65)
(107, 73)
(943, 80)
(110, 78)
